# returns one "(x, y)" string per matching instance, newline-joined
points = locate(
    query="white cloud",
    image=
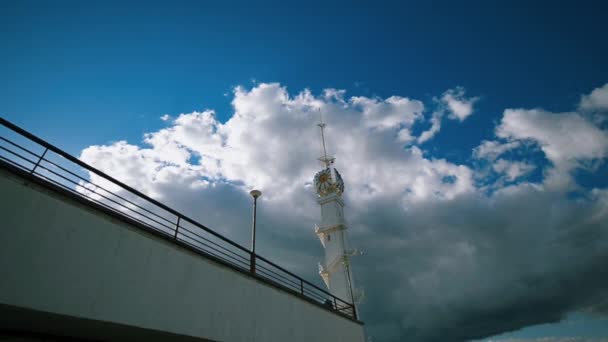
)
(165, 117)
(457, 104)
(454, 102)
(405, 136)
(272, 142)
(566, 139)
(512, 169)
(435, 127)
(562, 136)
(493, 149)
(390, 113)
(597, 100)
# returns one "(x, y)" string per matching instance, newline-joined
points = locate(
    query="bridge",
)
(86, 257)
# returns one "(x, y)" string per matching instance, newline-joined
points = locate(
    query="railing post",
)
(335, 304)
(252, 263)
(302, 287)
(39, 160)
(354, 311)
(177, 227)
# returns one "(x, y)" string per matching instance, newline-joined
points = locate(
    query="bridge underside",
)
(20, 324)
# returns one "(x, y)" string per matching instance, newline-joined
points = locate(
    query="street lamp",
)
(255, 194)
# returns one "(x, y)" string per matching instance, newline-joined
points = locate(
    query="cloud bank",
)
(446, 259)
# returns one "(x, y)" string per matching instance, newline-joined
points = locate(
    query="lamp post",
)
(255, 194)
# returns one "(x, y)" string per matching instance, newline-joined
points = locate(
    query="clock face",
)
(324, 178)
(325, 184)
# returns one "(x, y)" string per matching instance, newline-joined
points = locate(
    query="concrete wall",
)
(59, 256)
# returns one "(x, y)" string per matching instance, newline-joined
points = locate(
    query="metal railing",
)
(49, 164)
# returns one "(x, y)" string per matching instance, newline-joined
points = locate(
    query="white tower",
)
(336, 271)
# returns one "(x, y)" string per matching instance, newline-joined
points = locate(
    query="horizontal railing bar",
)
(315, 293)
(122, 213)
(213, 255)
(110, 178)
(20, 147)
(270, 278)
(276, 281)
(106, 190)
(318, 298)
(112, 208)
(109, 199)
(15, 164)
(17, 155)
(304, 281)
(196, 247)
(344, 308)
(213, 248)
(222, 250)
(293, 275)
(146, 217)
(295, 283)
(267, 274)
(233, 252)
(99, 194)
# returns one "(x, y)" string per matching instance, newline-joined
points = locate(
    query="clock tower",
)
(336, 270)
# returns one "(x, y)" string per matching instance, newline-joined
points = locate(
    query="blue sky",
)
(89, 65)
(92, 73)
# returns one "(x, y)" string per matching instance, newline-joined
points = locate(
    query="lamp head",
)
(255, 193)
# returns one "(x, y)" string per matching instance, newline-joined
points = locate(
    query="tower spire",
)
(327, 161)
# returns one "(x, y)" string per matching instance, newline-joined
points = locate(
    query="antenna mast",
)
(327, 161)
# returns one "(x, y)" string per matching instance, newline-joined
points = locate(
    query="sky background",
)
(446, 119)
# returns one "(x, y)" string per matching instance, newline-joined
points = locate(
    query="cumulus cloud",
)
(453, 102)
(568, 140)
(563, 137)
(434, 129)
(457, 104)
(445, 261)
(389, 113)
(512, 169)
(597, 100)
(493, 149)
